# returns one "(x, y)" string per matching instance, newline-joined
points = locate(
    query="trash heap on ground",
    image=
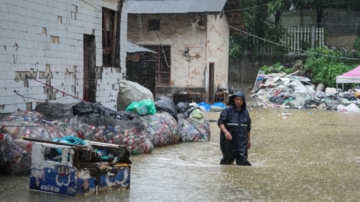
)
(141, 127)
(282, 90)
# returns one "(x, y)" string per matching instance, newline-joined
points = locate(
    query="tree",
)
(278, 7)
(256, 17)
(321, 5)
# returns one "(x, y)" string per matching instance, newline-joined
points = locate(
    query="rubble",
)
(280, 90)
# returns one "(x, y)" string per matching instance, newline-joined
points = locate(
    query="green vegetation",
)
(256, 15)
(356, 44)
(277, 68)
(323, 65)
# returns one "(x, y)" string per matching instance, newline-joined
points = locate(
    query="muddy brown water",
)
(309, 156)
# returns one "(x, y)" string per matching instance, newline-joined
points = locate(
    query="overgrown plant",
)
(356, 44)
(260, 27)
(323, 65)
(277, 68)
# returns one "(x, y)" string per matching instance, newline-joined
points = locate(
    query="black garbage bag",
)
(98, 110)
(83, 108)
(166, 104)
(182, 107)
(349, 96)
(53, 111)
(331, 106)
(310, 102)
(332, 97)
(276, 99)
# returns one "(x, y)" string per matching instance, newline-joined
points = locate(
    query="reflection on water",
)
(309, 156)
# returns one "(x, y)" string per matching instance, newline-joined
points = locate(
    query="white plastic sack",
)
(330, 91)
(132, 92)
(350, 108)
(298, 86)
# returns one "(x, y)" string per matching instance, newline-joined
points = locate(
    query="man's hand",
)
(249, 144)
(228, 135)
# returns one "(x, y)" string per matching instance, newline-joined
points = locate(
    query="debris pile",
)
(94, 122)
(281, 90)
(162, 127)
(193, 127)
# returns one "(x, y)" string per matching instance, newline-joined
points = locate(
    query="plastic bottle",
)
(24, 145)
(11, 152)
(117, 138)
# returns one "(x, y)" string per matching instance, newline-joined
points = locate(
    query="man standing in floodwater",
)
(235, 126)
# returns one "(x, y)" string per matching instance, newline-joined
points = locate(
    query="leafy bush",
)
(356, 44)
(276, 68)
(323, 65)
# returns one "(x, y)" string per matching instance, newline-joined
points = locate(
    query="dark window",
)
(163, 63)
(154, 25)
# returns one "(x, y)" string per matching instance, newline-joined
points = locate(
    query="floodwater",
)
(309, 156)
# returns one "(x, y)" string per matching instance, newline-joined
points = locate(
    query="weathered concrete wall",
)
(176, 32)
(205, 45)
(245, 70)
(344, 41)
(27, 29)
(218, 48)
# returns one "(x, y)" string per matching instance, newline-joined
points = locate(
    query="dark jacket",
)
(238, 123)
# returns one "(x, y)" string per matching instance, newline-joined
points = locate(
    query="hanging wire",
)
(278, 44)
(248, 8)
(163, 51)
(324, 4)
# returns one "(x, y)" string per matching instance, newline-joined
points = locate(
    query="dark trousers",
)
(230, 156)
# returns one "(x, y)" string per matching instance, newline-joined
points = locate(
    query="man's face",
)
(238, 102)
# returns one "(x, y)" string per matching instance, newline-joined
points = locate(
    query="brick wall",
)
(44, 39)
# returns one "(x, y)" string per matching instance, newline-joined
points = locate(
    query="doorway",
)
(89, 69)
(211, 82)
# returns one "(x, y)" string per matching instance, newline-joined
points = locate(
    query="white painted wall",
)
(175, 31)
(218, 48)
(24, 47)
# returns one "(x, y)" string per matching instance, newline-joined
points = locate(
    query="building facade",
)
(56, 50)
(191, 41)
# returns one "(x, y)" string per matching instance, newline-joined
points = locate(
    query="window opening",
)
(109, 26)
(163, 63)
(154, 25)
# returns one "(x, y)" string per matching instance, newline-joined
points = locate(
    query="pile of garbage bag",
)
(14, 151)
(94, 122)
(193, 127)
(129, 133)
(14, 158)
(191, 131)
(162, 127)
(279, 90)
(109, 126)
